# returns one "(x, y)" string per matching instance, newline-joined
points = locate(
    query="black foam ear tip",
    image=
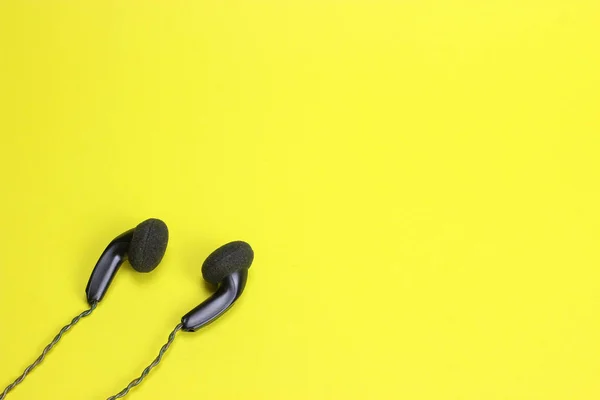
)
(226, 260)
(148, 245)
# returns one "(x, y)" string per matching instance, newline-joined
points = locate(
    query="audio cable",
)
(47, 349)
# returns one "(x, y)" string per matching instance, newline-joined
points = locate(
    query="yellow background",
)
(419, 180)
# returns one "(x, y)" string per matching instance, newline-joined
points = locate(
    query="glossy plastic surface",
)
(227, 293)
(107, 266)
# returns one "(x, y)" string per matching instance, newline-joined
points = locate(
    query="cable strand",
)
(147, 370)
(47, 349)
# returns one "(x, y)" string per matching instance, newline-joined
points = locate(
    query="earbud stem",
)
(107, 266)
(227, 293)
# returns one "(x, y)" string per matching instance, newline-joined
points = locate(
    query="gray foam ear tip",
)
(227, 259)
(148, 245)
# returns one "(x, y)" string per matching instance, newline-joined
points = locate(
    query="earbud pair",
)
(144, 246)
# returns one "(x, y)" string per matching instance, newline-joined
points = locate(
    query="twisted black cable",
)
(147, 370)
(47, 349)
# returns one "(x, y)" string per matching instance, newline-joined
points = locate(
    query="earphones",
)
(144, 247)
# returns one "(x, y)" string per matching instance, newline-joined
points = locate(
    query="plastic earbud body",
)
(144, 246)
(107, 266)
(228, 291)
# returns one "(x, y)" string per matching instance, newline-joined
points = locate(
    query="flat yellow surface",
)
(419, 180)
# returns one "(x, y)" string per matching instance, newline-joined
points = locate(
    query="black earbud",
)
(227, 268)
(144, 246)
